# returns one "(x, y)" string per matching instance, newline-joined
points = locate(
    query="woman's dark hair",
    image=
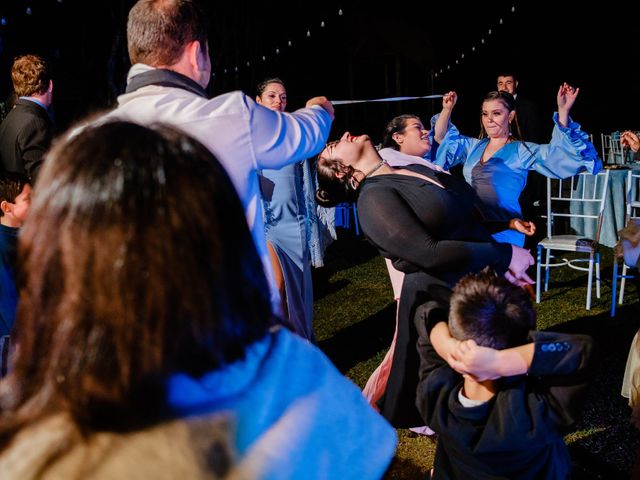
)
(396, 125)
(510, 104)
(262, 85)
(491, 311)
(332, 189)
(138, 264)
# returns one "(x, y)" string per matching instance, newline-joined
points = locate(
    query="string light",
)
(483, 41)
(29, 11)
(290, 41)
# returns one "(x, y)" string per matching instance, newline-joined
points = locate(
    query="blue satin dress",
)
(287, 228)
(500, 181)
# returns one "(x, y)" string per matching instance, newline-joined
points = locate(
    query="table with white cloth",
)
(614, 209)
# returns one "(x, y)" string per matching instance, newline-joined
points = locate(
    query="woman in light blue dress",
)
(288, 215)
(496, 164)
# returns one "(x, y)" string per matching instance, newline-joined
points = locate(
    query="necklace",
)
(382, 162)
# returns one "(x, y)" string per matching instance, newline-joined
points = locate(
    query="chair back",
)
(578, 199)
(612, 151)
(633, 195)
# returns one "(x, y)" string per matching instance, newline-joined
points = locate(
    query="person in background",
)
(496, 165)
(171, 67)
(15, 199)
(425, 222)
(287, 217)
(27, 130)
(155, 355)
(508, 394)
(407, 141)
(629, 139)
(527, 114)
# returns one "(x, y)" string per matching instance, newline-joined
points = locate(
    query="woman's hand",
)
(631, 140)
(522, 226)
(566, 98)
(521, 259)
(449, 100)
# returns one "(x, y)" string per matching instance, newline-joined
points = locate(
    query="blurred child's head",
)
(491, 311)
(15, 198)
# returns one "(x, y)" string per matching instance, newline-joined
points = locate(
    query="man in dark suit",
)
(26, 132)
(526, 111)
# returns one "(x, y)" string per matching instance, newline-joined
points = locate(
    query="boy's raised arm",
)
(483, 363)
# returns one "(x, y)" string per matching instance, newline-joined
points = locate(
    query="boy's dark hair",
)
(11, 185)
(491, 311)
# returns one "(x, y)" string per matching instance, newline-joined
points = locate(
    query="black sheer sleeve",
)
(392, 226)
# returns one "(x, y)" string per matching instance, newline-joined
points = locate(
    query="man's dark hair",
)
(158, 30)
(507, 73)
(491, 311)
(11, 185)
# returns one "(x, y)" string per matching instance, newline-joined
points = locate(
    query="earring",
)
(353, 183)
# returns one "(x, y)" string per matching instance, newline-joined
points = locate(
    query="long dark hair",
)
(332, 189)
(138, 264)
(396, 125)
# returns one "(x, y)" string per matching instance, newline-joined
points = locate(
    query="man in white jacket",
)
(168, 48)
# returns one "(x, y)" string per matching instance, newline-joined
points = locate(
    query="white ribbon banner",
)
(388, 99)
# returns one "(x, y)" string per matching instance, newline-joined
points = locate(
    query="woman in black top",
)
(426, 223)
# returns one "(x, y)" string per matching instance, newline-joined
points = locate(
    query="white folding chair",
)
(581, 197)
(612, 152)
(632, 211)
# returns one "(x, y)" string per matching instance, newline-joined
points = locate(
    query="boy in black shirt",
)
(506, 417)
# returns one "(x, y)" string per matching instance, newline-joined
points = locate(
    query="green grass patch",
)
(355, 320)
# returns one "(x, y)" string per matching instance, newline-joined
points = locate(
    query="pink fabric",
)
(377, 383)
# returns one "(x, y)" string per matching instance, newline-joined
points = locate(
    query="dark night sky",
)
(365, 53)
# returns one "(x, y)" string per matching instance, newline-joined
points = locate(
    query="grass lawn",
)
(354, 324)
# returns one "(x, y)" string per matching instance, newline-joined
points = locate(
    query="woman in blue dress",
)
(288, 210)
(496, 164)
